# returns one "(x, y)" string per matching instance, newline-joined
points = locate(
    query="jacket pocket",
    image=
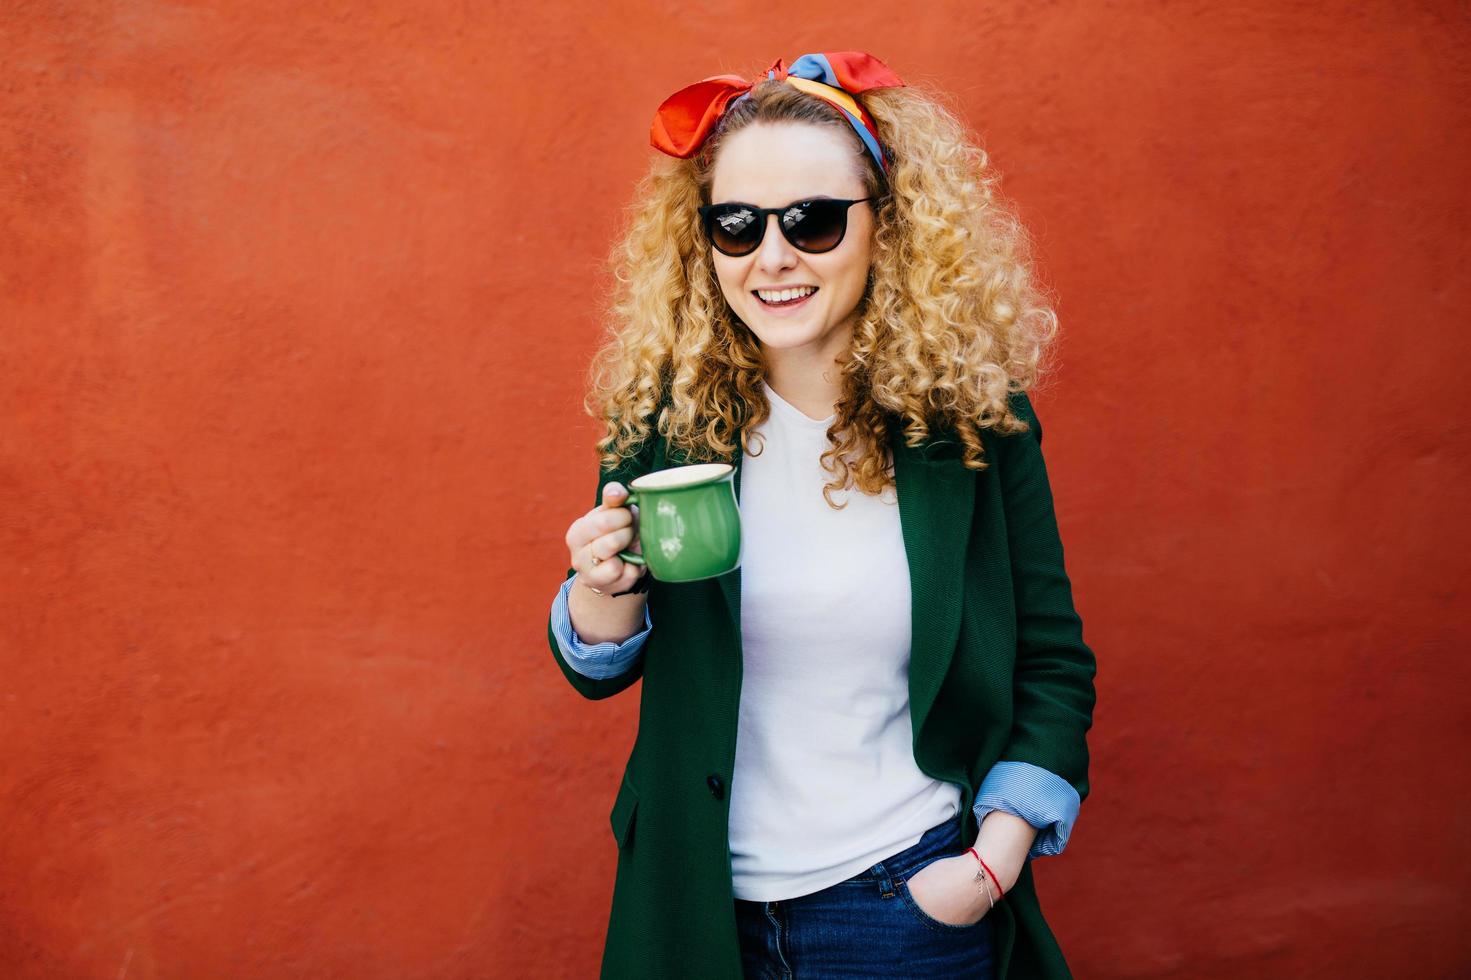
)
(621, 817)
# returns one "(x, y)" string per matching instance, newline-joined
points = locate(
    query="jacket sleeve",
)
(1053, 693)
(597, 688)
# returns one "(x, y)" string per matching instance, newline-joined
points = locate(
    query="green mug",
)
(689, 522)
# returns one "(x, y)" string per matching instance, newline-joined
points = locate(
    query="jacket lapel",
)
(936, 501)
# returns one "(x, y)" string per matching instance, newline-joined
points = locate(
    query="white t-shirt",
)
(825, 783)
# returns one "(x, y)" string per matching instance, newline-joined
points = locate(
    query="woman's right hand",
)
(601, 533)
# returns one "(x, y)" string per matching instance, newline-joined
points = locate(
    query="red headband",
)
(685, 119)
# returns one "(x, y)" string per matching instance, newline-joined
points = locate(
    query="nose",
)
(775, 252)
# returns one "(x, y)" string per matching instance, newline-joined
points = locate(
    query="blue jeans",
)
(867, 926)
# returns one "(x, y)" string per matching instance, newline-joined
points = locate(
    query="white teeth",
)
(782, 295)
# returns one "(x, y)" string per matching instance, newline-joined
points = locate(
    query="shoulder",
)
(1021, 406)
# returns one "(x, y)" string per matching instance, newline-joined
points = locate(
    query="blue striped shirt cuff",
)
(1041, 798)
(596, 660)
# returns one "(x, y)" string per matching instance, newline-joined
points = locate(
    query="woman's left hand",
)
(946, 889)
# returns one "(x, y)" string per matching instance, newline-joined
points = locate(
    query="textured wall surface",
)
(295, 301)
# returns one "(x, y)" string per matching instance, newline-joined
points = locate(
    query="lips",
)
(781, 307)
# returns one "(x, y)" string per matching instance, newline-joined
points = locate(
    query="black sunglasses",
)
(814, 225)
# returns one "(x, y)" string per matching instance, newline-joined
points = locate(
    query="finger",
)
(607, 548)
(610, 519)
(608, 545)
(602, 574)
(583, 531)
(611, 575)
(616, 491)
(595, 523)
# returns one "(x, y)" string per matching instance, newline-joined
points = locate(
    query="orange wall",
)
(295, 301)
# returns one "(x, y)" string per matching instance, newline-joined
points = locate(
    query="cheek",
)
(850, 260)
(851, 271)
(730, 277)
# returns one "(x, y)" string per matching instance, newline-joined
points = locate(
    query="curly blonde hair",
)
(951, 325)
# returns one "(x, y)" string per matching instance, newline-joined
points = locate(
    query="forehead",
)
(771, 164)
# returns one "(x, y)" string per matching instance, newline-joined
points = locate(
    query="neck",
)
(807, 379)
(811, 392)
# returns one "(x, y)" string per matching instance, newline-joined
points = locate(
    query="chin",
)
(778, 338)
(785, 342)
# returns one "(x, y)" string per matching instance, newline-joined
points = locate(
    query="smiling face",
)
(773, 165)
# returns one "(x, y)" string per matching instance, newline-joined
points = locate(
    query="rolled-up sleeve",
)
(1041, 798)
(598, 661)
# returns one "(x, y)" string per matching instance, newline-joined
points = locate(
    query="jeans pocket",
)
(923, 916)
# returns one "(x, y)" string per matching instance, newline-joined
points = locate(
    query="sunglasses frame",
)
(707, 217)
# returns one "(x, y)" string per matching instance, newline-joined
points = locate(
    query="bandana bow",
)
(685, 119)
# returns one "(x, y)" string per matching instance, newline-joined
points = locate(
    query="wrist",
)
(987, 881)
(604, 618)
(1003, 843)
(977, 885)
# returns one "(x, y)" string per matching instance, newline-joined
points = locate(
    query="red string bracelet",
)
(1000, 893)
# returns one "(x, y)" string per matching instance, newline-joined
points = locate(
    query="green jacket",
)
(998, 670)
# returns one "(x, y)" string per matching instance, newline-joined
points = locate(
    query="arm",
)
(597, 688)
(1053, 693)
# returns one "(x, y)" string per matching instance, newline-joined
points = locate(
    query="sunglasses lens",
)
(735, 230)
(816, 226)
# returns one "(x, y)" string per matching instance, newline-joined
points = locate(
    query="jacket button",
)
(717, 788)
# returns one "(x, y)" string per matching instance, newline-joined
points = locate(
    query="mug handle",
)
(631, 557)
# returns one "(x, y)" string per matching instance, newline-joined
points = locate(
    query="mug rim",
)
(717, 471)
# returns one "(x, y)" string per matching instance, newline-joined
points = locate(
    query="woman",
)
(851, 746)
